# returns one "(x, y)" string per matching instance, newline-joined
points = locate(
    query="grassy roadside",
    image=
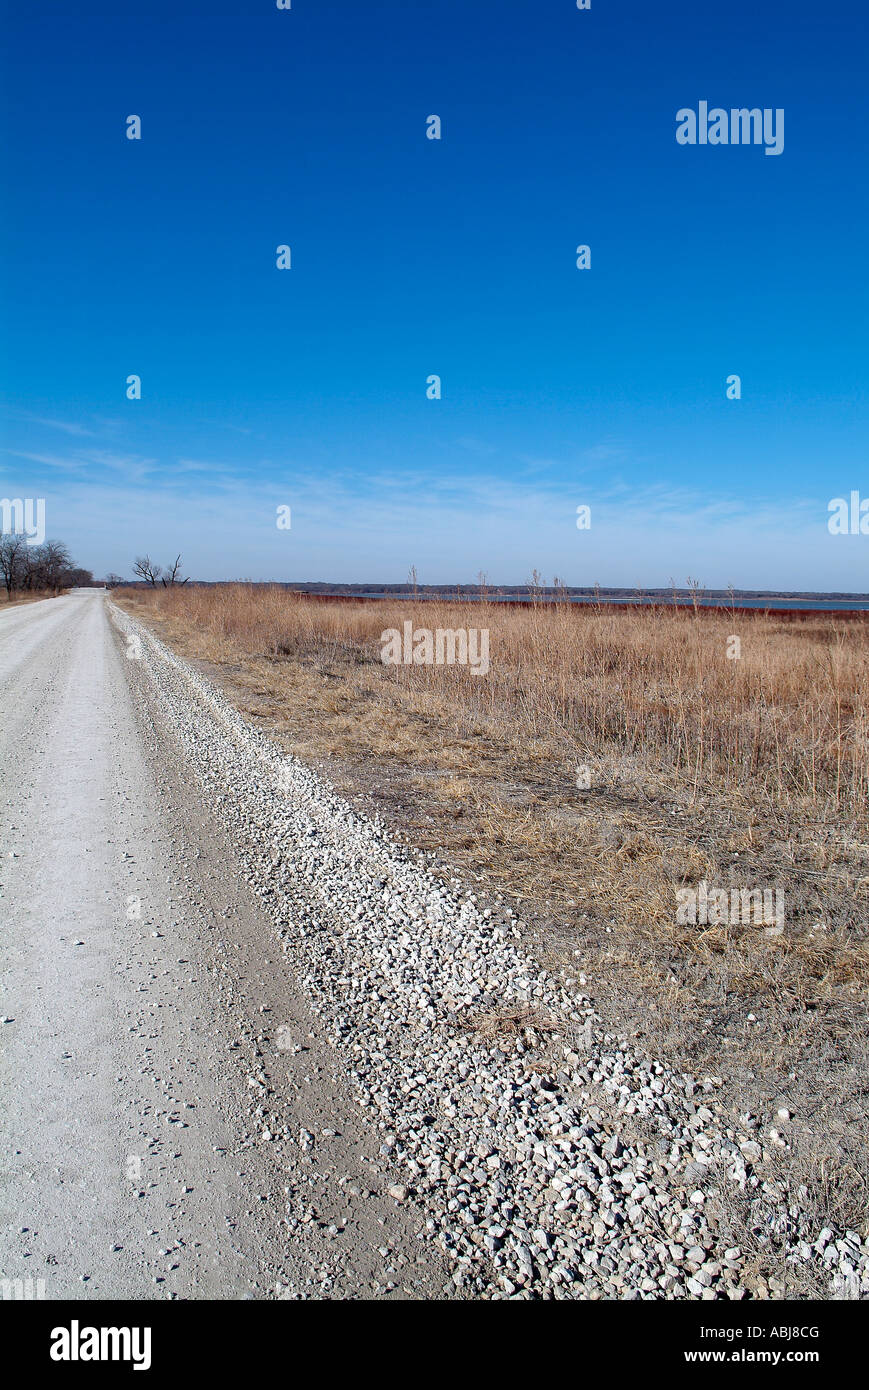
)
(15, 599)
(741, 772)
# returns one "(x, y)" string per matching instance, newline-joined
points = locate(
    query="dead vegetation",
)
(607, 759)
(19, 596)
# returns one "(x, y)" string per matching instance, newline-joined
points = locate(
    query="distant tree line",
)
(46, 568)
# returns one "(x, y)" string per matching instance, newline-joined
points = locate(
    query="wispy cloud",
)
(67, 426)
(200, 466)
(64, 461)
(606, 452)
(350, 522)
(480, 447)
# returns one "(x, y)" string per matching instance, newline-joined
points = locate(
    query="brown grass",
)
(30, 596)
(749, 772)
(785, 726)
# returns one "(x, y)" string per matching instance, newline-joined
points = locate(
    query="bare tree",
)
(36, 568)
(56, 565)
(13, 561)
(113, 580)
(173, 574)
(143, 567)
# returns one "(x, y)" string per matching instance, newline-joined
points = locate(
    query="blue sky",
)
(413, 257)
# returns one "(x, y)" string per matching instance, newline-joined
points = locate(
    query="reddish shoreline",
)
(608, 606)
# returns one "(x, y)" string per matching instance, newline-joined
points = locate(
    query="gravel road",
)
(142, 990)
(252, 1047)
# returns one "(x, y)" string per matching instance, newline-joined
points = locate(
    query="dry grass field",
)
(747, 772)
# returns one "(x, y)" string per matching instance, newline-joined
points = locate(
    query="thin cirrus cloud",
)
(63, 461)
(339, 533)
(73, 427)
(133, 466)
(351, 524)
